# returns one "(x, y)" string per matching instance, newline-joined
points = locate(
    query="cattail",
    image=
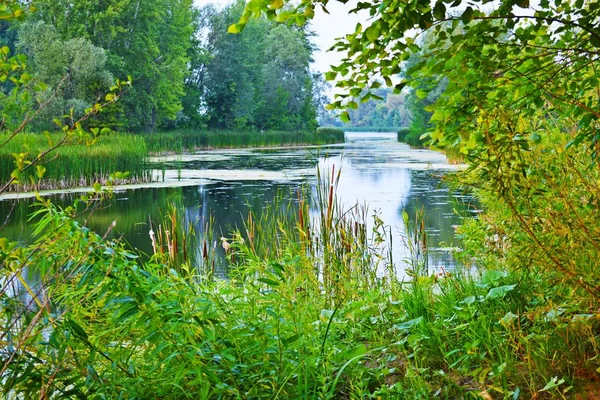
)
(225, 244)
(153, 240)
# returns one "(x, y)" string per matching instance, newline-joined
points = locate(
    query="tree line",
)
(187, 70)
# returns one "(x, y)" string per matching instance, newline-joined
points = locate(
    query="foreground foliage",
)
(311, 309)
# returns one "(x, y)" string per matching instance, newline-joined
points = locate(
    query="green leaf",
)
(500, 291)
(268, 281)
(234, 28)
(290, 339)
(554, 382)
(254, 6)
(467, 15)
(439, 11)
(276, 4)
(77, 330)
(508, 319)
(330, 76)
(373, 32)
(398, 88)
(40, 170)
(345, 117)
(409, 324)
(421, 94)
(469, 300)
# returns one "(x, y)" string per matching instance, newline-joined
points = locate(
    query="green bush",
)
(402, 133)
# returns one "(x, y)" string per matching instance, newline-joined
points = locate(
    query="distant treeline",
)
(386, 115)
(187, 70)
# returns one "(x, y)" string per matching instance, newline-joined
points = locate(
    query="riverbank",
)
(120, 159)
(366, 129)
(413, 139)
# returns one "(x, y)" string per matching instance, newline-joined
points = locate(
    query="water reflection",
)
(377, 171)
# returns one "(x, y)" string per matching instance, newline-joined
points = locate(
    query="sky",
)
(327, 27)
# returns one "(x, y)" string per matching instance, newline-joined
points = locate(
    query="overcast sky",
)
(327, 27)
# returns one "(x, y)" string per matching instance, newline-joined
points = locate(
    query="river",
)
(222, 185)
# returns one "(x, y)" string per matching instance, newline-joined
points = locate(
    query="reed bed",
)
(75, 163)
(189, 140)
(370, 128)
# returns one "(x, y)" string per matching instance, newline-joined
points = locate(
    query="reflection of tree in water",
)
(274, 162)
(227, 204)
(443, 210)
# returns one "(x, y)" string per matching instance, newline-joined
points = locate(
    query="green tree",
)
(288, 89)
(147, 40)
(74, 70)
(260, 79)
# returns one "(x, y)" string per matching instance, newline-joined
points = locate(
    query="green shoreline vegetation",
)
(119, 158)
(312, 309)
(189, 140)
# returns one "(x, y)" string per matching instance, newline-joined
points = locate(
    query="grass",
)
(75, 163)
(189, 140)
(411, 137)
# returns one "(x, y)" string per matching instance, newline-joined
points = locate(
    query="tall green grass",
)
(188, 140)
(75, 163)
(412, 137)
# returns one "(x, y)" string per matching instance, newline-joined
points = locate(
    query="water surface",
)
(223, 185)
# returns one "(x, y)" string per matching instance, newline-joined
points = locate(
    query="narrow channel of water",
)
(223, 185)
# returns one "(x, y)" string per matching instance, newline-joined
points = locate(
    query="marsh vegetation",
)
(301, 292)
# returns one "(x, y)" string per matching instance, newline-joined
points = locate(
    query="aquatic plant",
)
(189, 140)
(77, 164)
